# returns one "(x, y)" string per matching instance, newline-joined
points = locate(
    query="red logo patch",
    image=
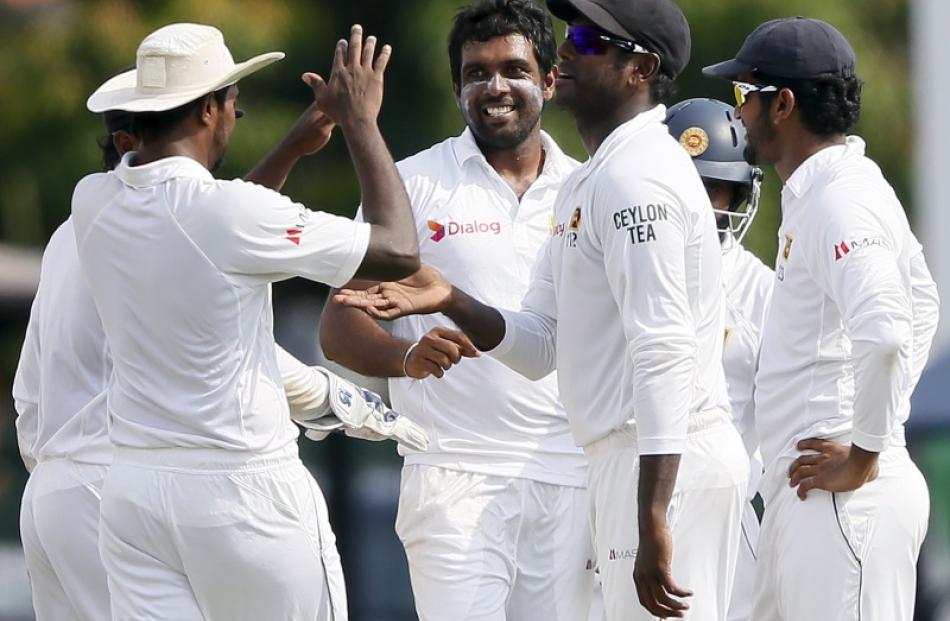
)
(294, 235)
(841, 250)
(438, 231)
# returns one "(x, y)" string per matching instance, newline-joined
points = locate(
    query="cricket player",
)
(59, 392)
(848, 332)
(716, 141)
(493, 514)
(207, 512)
(626, 302)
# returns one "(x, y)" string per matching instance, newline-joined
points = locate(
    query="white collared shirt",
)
(627, 303)
(853, 311)
(180, 265)
(748, 288)
(482, 416)
(60, 385)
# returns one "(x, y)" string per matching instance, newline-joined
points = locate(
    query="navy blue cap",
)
(657, 25)
(797, 48)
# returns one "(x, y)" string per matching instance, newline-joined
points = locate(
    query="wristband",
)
(405, 358)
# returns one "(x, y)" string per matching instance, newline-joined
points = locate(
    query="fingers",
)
(815, 444)
(811, 459)
(315, 82)
(806, 486)
(383, 59)
(801, 473)
(355, 45)
(655, 595)
(338, 57)
(369, 51)
(466, 348)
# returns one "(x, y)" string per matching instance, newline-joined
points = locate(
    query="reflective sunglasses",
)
(742, 90)
(589, 41)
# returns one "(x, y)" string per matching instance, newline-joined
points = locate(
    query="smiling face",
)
(501, 91)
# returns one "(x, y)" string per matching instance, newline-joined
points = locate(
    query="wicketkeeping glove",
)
(359, 413)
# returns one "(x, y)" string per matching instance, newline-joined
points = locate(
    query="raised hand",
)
(437, 351)
(354, 92)
(423, 293)
(311, 131)
(832, 467)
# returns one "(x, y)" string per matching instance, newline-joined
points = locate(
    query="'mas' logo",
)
(451, 228)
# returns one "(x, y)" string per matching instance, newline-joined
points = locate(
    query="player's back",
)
(193, 347)
(65, 367)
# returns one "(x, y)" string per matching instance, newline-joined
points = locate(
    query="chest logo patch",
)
(452, 228)
(787, 251)
(575, 220)
(695, 141)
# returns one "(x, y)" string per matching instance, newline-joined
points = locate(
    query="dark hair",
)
(152, 126)
(662, 88)
(488, 19)
(110, 155)
(829, 104)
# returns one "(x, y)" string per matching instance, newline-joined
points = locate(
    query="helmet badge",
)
(695, 141)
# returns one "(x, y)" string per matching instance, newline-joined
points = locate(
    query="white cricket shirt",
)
(482, 416)
(852, 315)
(627, 302)
(60, 385)
(180, 265)
(748, 288)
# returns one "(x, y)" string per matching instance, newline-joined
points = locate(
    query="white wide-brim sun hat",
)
(174, 65)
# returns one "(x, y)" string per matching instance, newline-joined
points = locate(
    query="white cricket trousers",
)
(215, 535)
(59, 526)
(743, 586)
(842, 556)
(704, 516)
(489, 548)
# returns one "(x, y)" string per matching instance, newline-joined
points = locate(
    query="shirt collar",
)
(555, 161)
(159, 171)
(821, 163)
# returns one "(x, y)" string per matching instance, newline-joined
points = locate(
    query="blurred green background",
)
(55, 53)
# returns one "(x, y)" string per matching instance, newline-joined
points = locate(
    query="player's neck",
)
(594, 128)
(521, 165)
(805, 146)
(180, 147)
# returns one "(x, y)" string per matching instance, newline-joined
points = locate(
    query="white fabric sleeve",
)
(306, 388)
(278, 239)
(529, 346)
(26, 389)
(926, 301)
(858, 262)
(645, 263)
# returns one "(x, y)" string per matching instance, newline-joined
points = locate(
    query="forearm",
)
(272, 171)
(483, 324)
(385, 202)
(351, 338)
(655, 488)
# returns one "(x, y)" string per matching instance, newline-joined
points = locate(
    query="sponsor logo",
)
(620, 555)
(787, 251)
(848, 246)
(639, 221)
(294, 234)
(452, 228)
(346, 397)
(841, 250)
(695, 141)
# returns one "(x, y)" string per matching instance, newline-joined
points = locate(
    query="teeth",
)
(499, 110)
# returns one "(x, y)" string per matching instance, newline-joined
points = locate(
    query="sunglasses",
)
(743, 89)
(589, 41)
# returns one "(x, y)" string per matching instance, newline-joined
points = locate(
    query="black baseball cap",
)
(657, 25)
(797, 48)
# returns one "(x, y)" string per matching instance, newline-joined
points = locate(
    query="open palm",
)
(423, 293)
